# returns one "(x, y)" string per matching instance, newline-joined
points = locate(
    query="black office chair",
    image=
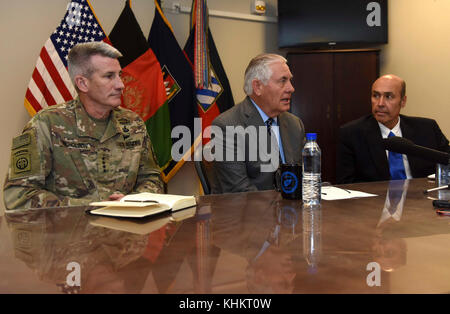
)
(205, 169)
(203, 177)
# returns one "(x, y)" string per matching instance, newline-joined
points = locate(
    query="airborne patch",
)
(24, 155)
(22, 161)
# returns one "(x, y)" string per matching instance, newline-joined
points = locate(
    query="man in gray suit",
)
(261, 126)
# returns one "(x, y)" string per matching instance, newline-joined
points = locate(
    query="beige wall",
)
(418, 50)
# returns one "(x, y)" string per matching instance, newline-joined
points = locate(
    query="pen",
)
(436, 189)
(144, 201)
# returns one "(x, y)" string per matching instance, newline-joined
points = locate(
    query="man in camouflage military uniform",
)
(87, 149)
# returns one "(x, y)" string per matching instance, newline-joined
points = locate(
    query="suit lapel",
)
(253, 119)
(376, 148)
(252, 116)
(407, 129)
(408, 132)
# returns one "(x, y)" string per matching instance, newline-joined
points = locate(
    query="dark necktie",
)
(396, 167)
(269, 123)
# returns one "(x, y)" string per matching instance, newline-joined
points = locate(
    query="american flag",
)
(50, 83)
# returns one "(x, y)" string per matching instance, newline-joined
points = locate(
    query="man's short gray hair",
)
(259, 69)
(78, 58)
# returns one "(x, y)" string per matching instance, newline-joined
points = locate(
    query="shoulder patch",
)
(21, 140)
(24, 156)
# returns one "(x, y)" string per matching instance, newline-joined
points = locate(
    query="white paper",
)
(330, 193)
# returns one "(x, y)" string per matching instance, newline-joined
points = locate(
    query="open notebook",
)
(142, 205)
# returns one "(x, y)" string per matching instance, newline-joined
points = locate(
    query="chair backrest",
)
(202, 175)
(205, 169)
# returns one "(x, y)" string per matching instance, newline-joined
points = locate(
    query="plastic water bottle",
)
(311, 171)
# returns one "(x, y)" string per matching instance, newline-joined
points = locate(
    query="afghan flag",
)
(178, 80)
(213, 92)
(144, 91)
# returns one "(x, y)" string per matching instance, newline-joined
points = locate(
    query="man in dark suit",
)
(259, 131)
(361, 156)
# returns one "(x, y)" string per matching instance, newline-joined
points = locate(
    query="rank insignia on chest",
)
(125, 131)
(103, 162)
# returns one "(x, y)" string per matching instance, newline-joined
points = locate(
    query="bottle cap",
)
(311, 136)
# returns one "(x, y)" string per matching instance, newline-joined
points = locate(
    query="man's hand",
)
(115, 196)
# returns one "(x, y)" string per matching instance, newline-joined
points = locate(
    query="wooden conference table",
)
(236, 244)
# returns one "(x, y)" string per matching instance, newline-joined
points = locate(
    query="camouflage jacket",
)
(58, 161)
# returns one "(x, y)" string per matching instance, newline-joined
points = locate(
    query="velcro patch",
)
(124, 121)
(77, 145)
(22, 162)
(21, 140)
(24, 155)
(129, 144)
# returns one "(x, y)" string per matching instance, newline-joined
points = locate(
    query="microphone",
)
(404, 146)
